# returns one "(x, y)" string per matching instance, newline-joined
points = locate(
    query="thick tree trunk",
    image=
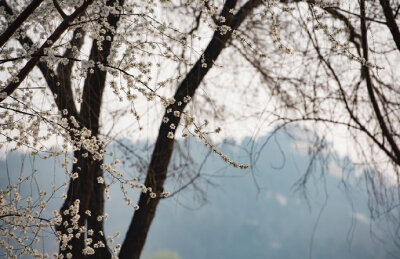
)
(91, 195)
(157, 171)
(97, 209)
(79, 190)
(86, 188)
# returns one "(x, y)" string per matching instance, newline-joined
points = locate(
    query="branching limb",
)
(385, 131)
(10, 88)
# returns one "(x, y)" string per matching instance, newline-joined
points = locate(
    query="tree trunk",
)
(157, 171)
(86, 187)
(79, 190)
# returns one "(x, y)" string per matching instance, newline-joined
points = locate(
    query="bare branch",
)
(59, 9)
(391, 21)
(10, 88)
(364, 42)
(16, 24)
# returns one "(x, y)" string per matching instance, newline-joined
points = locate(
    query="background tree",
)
(348, 62)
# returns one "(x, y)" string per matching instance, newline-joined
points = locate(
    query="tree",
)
(132, 45)
(348, 79)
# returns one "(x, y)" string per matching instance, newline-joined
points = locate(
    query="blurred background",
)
(293, 203)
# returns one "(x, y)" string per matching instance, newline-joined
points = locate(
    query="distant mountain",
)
(258, 213)
(277, 221)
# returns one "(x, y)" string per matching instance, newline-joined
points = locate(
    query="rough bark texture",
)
(157, 171)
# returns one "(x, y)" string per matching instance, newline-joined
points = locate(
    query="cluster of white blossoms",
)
(200, 133)
(23, 220)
